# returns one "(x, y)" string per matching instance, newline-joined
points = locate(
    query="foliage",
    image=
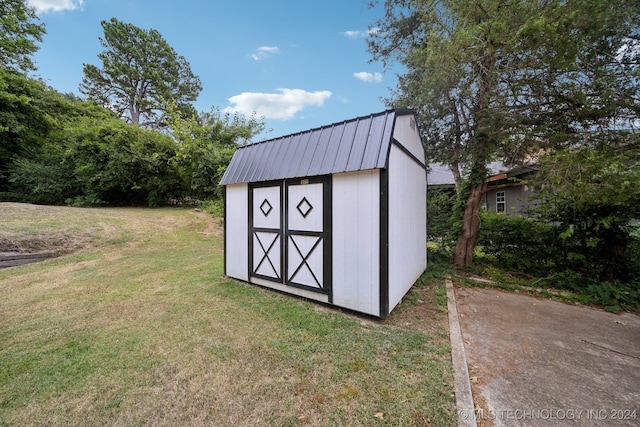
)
(439, 262)
(44, 179)
(120, 164)
(29, 113)
(615, 296)
(19, 33)
(494, 78)
(537, 249)
(439, 205)
(140, 72)
(592, 194)
(100, 160)
(206, 145)
(60, 149)
(520, 244)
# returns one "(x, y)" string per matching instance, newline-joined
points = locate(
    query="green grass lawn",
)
(138, 326)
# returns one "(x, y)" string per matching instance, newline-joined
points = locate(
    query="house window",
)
(500, 201)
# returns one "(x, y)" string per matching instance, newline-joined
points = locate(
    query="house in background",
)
(335, 214)
(507, 189)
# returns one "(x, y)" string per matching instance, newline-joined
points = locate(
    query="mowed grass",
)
(141, 327)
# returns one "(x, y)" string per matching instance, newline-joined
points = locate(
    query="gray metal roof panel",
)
(376, 140)
(271, 155)
(331, 154)
(344, 147)
(385, 144)
(360, 140)
(308, 162)
(322, 146)
(358, 144)
(306, 155)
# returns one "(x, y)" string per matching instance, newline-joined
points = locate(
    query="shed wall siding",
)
(237, 232)
(406, 133)
(407, 223)
(356, 241)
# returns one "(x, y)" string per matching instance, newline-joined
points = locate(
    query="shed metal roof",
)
(357, 144)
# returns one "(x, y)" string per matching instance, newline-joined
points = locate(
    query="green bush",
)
(119, 164)
(559, 260)
(519, 244)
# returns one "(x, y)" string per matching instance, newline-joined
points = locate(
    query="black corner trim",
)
(224, 237)
(328, 236)
(250, 231)
(384, 243)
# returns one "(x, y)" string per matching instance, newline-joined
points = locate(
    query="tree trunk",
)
(455, 164)
(466, 243)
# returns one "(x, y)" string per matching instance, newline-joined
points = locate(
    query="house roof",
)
(440, 175)
(357, 144)
(513, 173)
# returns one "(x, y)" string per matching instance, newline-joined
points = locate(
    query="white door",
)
(266, 232)
(305, 235)
(291, 233)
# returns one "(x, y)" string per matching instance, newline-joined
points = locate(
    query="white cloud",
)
(55, 5)
(352, 34)
(356, 34)
(264, 52)
(368, 77)
(280, 106)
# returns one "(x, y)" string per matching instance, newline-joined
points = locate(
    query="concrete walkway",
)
(538, 362)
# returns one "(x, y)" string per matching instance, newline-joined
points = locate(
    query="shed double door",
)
(290, 233)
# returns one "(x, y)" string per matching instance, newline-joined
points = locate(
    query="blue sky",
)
(300, 64)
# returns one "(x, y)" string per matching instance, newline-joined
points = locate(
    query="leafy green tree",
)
(22, 116)
(19, 33)
(206, 145)
(140, 73)
(29, 112)
(91, 157)
(506, 79)
(592, 193)
(120, 164)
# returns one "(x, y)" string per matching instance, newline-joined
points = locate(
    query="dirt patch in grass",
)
(26, 228)
(59, 243)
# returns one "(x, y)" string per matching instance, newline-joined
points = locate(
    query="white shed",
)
(335, 214)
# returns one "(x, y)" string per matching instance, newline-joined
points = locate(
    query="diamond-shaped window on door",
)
(266, 207)
(304, 207)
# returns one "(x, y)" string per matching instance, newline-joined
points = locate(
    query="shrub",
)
(519, 244)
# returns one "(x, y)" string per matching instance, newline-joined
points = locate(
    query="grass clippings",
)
(139, 326)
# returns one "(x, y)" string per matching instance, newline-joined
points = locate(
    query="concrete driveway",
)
(538, 362)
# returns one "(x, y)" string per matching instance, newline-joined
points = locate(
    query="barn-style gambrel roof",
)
(358, 144)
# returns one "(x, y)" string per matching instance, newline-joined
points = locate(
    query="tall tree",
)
(140, 74)
(22, 117)
(504, 78)
(19, 33)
